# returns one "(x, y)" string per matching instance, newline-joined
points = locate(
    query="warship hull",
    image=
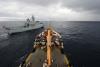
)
(36, 59)
(20, 29)
(47, 51)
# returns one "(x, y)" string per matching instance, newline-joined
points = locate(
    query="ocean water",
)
(81, 42)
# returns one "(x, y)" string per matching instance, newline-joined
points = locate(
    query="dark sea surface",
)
(81, 42)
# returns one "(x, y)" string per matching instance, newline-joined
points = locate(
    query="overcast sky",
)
(59, 10)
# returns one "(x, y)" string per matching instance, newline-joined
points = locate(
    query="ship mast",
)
(33, 19)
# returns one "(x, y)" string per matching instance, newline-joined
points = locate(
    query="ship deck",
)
(48, 55)
(37, 58)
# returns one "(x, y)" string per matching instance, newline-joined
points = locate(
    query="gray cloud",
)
(41, 2)
(7, 14)
(82, 4)
(35, 2)
(73, 4)
(51, 10)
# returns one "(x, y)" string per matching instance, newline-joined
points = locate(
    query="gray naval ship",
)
(47, 51)
(30, 24)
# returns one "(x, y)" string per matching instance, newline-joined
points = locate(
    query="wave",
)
(73, 36)
(3, 36)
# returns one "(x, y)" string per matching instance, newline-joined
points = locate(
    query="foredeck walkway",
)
(37, 58)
